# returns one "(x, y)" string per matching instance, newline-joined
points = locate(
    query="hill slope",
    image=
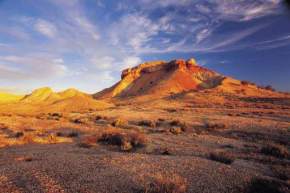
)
(46, 100)
(161, 78)
(7, 97)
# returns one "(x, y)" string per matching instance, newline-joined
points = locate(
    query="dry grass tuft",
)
(214, 126)
(18, 134)
(125, 140)
(166, 184)
(183, 126)
(281, 172)
(275, 150)
(100, 117)
(175, 130)
(24, 158)
(73, 134)
(221, 157)
(46, 139)
(84, 145)
(261, 185)
(119, 123)
(147, 123)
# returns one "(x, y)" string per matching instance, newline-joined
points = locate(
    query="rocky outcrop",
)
(162, 78)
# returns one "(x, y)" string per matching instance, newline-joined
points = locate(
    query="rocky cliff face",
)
(162, 78)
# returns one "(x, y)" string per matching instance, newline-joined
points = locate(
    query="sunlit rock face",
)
(159, 78)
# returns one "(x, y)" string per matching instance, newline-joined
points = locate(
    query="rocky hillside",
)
(160, 78)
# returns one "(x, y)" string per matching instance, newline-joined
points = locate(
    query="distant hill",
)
(8, 98)
(47, 95)
(160, 78)
(45, 99)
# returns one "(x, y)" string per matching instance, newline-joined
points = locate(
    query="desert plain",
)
(169, 127)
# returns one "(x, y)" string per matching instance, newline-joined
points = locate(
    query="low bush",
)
(119, 123)
(73, 134)
(100, 117)
(261, 185)
(18, 134)
(214, 126)
(125, 140)
(180, 124)
(147, 123)
(175, 130)
(166, 184)
(275, 150)
(281, 172)
(221, 157)
(84, 145)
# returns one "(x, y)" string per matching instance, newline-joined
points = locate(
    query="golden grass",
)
(166, 184)
(30, 138)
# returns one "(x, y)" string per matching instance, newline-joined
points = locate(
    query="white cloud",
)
(45, 28)
(130, 61)
(244, 10)
(36, 66)
(103, 63)
(133, 30)
(203, 34)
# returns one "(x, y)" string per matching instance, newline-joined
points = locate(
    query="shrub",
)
(125, 140)
(269, 87)
(18, 134)
(28, 159)
(260, 185)
(275, 150)
(245, 82)
(51, 139)
(100, 117)
(73, 134)
(281, 172)
(180, 124)
(119, 123)
(214, 126)
(60, 134)
(28, 138)
(221, 157)
(175, 130)
(164, 184)
(147, 123)
(24, 158)
(84, 145)
(77, 121)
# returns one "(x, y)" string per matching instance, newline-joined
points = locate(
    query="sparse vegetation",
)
(275, 150)
(166, 184)
(214, 126)
(245, 82)
(73, 134)
(84, 145)
(147, 123)
(261, 185)
(119, 123)
(183, 126)
(222, 157)
(175, 130)
(101, 117)
(125, 140)
(281, 172)
(18, 134)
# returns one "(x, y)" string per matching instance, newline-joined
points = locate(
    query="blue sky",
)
(86, 43)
